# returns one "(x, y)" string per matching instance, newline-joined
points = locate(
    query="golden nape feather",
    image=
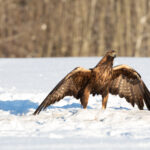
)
(103, 79)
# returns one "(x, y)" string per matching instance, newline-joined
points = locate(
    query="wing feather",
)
(71, 85)
(127, 83)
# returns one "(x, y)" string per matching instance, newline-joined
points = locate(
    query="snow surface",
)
(24, 83)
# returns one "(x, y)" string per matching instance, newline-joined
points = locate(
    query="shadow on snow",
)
(73, 105)
(120, 108)
(18, 107)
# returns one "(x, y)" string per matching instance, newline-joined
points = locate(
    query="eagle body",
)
(103, 79)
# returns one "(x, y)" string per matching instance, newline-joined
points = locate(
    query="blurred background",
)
(58, 28)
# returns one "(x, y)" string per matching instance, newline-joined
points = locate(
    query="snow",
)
(24, 83)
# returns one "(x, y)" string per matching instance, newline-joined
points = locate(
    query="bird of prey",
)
(103, 79)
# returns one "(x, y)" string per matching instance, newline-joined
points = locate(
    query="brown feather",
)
(71, 85)
(146, 95)
(130, 86)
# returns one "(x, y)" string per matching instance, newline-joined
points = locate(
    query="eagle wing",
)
(71, 85)
(127, 83)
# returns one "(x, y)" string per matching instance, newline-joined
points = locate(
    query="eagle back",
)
(101, 77)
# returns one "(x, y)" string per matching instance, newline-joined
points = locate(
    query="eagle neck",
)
(106, 61)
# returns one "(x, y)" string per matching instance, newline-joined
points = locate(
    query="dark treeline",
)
(42, 28)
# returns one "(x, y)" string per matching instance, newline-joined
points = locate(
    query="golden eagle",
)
(103, 79)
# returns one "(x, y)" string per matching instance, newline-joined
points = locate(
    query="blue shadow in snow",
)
(120, 108)
(18, 107)
(73, 105)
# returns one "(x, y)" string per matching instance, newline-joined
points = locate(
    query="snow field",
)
(24, 83)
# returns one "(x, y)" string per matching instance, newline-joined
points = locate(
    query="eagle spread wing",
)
(128, 83)
(71, 85)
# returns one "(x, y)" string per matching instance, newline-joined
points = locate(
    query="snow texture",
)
(24, 83)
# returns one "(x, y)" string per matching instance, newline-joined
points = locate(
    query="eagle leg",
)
(85, 97)
(104, 100)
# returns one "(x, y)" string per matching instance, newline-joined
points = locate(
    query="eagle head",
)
(111, 54)
(108, 58)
